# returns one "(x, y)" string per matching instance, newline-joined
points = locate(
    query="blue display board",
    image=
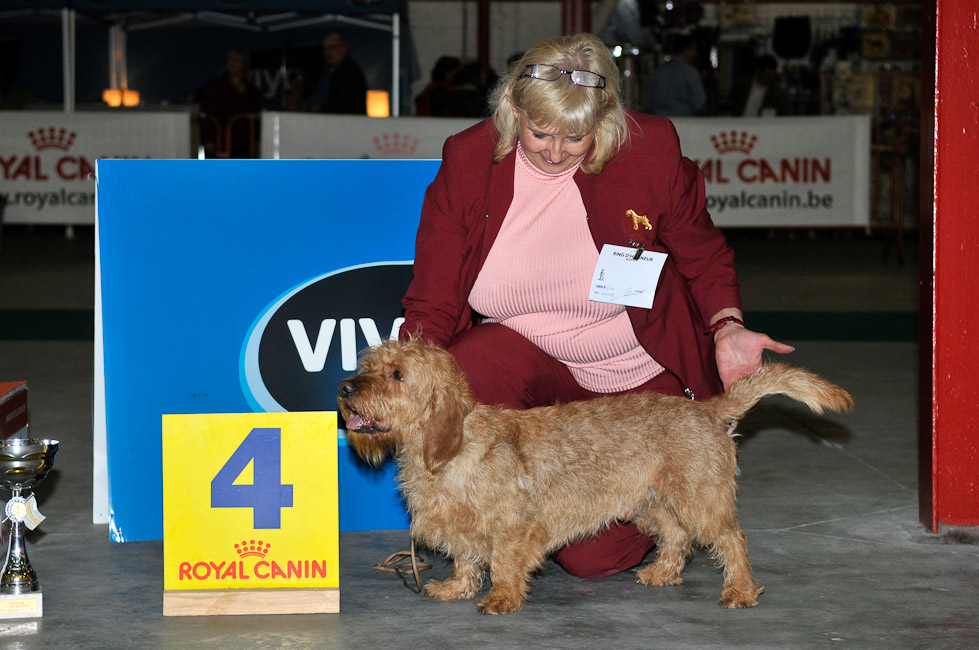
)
(238, 286)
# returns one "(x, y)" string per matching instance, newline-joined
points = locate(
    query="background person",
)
(468, 94)
(761, 93)
(675, 88)
(225, 98)
(510, 235)
(439, 85)
(342, 86)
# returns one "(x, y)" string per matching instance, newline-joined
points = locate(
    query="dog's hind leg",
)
(465, 581)
(710, 514)
(740, 588)
(673, 545)
(514, 560)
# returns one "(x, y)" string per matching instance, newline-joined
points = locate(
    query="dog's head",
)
(407, 394)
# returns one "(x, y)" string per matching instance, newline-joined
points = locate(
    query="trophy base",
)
(26, 605)
(208, 602)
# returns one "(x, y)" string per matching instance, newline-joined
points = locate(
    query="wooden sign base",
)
(210, 602)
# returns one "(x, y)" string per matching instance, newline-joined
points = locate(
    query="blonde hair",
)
(562, 104)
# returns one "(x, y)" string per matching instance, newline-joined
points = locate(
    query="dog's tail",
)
(778, 378)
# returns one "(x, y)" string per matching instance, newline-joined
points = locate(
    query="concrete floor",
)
(829, 503)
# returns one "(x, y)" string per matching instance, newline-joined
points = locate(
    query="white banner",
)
(48, 158)
(759, 172)
(782, 171)
(311, 135)
(768, 172)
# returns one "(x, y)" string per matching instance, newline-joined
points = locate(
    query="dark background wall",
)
(167, 65)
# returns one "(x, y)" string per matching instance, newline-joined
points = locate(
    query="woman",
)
(509, 239)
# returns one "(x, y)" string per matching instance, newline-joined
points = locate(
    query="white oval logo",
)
(306, 341)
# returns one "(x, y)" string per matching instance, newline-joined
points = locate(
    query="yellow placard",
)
(250, 501)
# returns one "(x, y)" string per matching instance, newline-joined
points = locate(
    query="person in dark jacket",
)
(440, 83)
(342, 87)
(760, 94)
(230, 105)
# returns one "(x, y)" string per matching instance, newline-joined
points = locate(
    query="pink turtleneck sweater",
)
(536, 280)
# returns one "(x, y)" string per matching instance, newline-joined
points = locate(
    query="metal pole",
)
(463, 47)
(68, 58)
(395, 64)
(117, 57)
(483, 32)
(113, 73)
(575, 16)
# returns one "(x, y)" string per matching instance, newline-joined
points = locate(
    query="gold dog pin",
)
(638, 219)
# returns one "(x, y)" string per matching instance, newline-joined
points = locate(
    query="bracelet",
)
(722, 322)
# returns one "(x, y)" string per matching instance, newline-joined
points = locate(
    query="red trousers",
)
(505, 368)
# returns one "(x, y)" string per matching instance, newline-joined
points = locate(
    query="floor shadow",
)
(779, 412)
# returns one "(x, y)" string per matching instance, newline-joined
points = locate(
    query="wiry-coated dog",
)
(498, 488)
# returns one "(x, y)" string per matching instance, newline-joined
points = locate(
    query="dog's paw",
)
(656, 576)
(737, 599)
(496, 603)
(448, 590)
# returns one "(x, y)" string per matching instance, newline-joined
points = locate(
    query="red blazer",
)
(466, 203)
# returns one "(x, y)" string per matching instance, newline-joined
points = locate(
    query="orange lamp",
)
(120, 97)
(378, 104)
(112, 96)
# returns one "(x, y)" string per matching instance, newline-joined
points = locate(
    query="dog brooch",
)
(638, 219)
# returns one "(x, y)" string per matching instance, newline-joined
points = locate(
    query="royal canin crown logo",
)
(52, 138)
(252, 548)
(740, 141)
(391, 144)
(42, 165)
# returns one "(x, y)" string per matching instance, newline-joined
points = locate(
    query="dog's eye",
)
(396, 375)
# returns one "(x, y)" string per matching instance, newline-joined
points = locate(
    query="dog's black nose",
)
(347, 388)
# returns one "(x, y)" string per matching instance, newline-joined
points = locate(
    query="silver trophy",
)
(23, 464)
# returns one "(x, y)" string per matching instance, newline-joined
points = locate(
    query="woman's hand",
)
(737, 351)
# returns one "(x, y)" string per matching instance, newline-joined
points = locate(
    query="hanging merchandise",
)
(738, 15)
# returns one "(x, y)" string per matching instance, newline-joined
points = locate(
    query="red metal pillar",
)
(575, 16)
(949, 491)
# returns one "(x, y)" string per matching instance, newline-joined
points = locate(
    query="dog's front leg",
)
(465, 581)
(510, 569)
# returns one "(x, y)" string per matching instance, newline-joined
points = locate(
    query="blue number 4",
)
(266, 495)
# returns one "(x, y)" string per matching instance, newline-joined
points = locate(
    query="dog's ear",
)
(443, 434)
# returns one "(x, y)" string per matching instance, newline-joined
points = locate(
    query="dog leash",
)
(406, 562)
